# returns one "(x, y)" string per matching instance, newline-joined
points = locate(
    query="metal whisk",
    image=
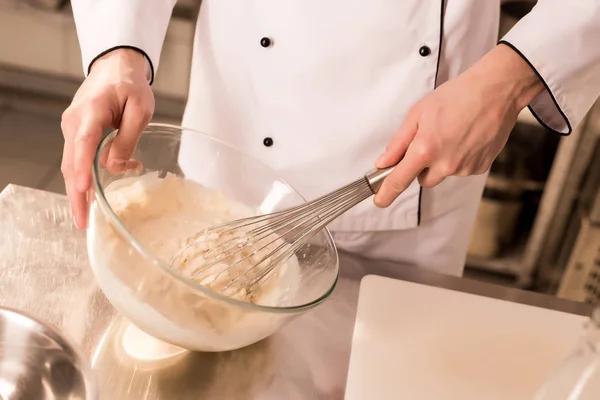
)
(238, 257)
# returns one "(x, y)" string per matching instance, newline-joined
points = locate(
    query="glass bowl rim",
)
(115, 221)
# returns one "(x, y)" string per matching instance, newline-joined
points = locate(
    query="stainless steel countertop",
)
(44, 270)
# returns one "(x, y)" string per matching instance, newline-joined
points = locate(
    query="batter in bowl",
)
(163, 213)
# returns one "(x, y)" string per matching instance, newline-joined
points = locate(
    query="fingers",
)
(415, 160)
(134, 120)
(79, 206)
(400, 141)
(78, 154)
(104, 156)
(429, 178)
(77, 199)
(80, 149)
(85, 145)
(116, 92)
(82, 137)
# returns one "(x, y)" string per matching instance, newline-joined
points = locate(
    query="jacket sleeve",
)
(559, 40)
(105, 25)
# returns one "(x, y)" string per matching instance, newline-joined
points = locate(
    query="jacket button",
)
(424, 51)
(268, 142)
(265, 42)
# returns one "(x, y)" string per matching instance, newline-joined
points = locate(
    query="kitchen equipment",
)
(576, 269)
(38, 362)
(413, 341)
(249, 251)
(511, 195)
(159, 300)
(578, 378)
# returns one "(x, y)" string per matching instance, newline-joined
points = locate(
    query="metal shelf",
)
(508, 264)
(560, 193)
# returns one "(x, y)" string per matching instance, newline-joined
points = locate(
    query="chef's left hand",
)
(461, 127)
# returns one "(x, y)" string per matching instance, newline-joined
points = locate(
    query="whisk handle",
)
(376, 176)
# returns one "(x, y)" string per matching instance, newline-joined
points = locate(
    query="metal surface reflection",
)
(44, 271)
(37, 362)
(239, 374)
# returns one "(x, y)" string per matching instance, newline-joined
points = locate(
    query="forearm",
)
(512, 74)
(106, 25)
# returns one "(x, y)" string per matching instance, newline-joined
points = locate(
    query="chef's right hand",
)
(116, 94)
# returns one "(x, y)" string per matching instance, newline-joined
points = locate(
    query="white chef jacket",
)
(316, 88)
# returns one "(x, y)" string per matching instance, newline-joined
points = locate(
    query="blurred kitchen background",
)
(538, 226)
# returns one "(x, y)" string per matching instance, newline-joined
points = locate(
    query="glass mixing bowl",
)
(159, 300)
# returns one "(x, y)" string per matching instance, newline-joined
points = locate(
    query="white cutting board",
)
(414, 341)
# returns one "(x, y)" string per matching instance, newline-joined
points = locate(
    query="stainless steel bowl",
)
(38, 363)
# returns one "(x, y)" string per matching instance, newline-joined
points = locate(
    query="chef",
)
(321, 90)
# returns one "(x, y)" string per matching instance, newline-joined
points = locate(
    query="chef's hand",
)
(461, 127)
(116, 94)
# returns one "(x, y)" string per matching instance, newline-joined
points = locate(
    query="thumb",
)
(133, 122)
(397, 146)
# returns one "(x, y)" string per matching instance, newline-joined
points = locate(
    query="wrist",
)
(512, 73)
(128, 58)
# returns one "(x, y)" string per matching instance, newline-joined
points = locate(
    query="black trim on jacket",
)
(437, 70)
(105, 52)
(562, 113)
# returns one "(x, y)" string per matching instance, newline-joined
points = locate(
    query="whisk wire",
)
(268, 272)
(279, 235)
(279, 220)
(326, 215)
